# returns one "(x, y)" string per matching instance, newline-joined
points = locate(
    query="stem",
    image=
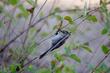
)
(100, 62)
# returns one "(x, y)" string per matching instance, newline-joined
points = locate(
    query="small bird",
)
(58, 40)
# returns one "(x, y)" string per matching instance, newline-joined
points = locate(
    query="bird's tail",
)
(42, 55)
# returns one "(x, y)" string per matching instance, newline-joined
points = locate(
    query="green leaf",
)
(86, 43)
(13, 68)
(72, 29)
(87, 48)
(31, 69)
(68, 69)
(1, 24)
(1, 8)
(13, 2)
(58, 17)
(23, 10)
(44, 34)
(31, 47)
(69, 19)
(31, 2)
(43, 70)
(104, 31)
(56, 9)
(103, 8)
(67, 50)
(32, 33)
(54, 27)
(92, 18)
(75, 57)
(53, 64)
(58, 70)
(59, 57)
(41, 14)
(105, 49)
(30, 66)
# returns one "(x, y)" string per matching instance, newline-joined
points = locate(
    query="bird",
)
(58, 40)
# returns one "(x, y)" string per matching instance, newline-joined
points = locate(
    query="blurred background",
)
(26, 27)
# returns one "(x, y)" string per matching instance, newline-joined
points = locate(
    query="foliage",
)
(106, 15)
(13, 2)
(103, 68)
(76, 58)
(105, 49)
(92, 18)
(19, 18)
(104, 31)
(69, 19)
(87, 48)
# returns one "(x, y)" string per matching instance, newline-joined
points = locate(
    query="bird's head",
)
(63, 33)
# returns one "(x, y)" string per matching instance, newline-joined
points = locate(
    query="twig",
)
(8, 33)
(39, 10)
(100, 62)
(26, 36)
(94, 53)
(11, 41)
(33, 20)
(53, 4)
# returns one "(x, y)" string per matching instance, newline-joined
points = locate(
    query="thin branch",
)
(8, 29)
(39, 10)
(81, 17)
(94, 52)
(26, 36)
(101, 62)
(32, 15)
(52, 7)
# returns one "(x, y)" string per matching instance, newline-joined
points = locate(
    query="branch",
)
(100, 62)
(26, 36)
(39, 10)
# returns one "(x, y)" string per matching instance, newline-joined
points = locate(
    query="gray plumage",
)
(57, 40)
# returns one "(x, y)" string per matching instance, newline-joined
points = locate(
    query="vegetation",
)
(24, 23)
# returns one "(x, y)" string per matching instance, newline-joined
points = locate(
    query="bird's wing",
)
(42, 55)
(56, 39)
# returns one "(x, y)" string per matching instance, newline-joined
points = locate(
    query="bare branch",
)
(101, 62)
